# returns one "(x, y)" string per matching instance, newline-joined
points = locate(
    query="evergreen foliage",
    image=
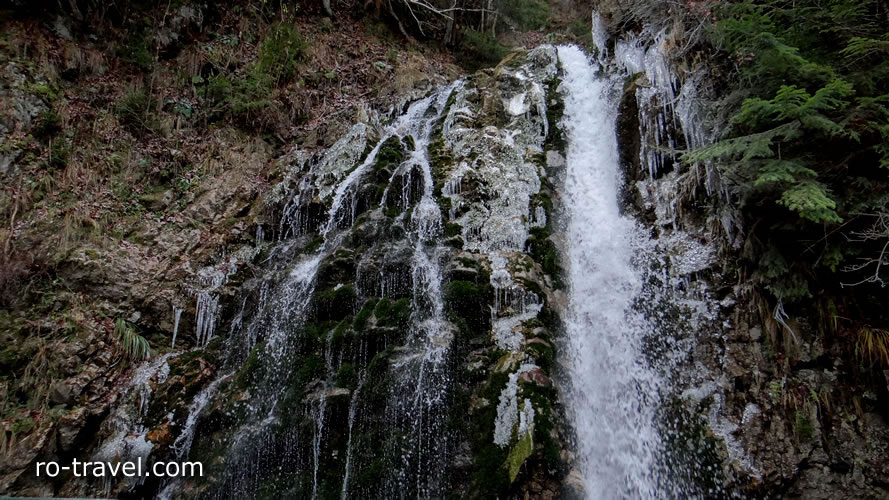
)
(811, 135)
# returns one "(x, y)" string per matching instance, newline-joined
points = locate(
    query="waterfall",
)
(400, 338)
(353, 410)
(419, 401)
(266, 439)
(612, 394)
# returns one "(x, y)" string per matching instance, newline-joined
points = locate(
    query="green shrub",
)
(252, 93)
(480, 50)
(136, 51)
(58, 154)
(529, 14)
(48, 124)
(281, 52)
(806, 153)
(134, 110)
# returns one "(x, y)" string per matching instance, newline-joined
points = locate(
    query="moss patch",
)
(468, 301)
(335, 303)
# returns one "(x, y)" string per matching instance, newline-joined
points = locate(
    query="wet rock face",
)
(389, 327)
(778, 413)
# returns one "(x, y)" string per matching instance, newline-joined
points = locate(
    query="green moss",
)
(453, 229)
(47, 92)
(544, 252)
(490, 478)
(313, 245)
(555, 108)
(542, 353)
(802, 425)
(542, 398)
(390, 154)
(389, 313)
(347, 376)
(469, 301)
(335, 303)
(310, 368)
(441, 161)
(542, 199)
(455, 242)
(518, 454)
(364, 314)
(408, 142)
(23, 426)
(445, 204)
(339, 333)
(318, 330)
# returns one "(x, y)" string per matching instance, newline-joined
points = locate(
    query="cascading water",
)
(418, 402)
(275, 327)
(612, 398)
(411, 280)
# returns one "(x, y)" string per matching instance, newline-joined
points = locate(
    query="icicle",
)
(177, 313)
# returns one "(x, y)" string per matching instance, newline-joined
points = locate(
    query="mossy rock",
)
(252, 370)
(453, 229)
(555, 108)
(388, 313)
(469, 301)
(518, 454)
(364, 314)
(543, 251)
(455, 242)
(336, 269)
(441, 162)
(347, 376)
(335, 303)
(390, 154)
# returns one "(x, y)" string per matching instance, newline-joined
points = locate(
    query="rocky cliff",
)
(352, 283)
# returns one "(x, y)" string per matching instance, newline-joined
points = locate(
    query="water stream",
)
(612, 394)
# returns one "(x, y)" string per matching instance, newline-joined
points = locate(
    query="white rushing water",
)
(612, 399)
(418, 400)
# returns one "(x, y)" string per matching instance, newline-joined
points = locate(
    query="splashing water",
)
(612, 394)
(418, 401)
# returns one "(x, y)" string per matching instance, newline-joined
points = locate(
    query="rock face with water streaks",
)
(763, 410)
(395, 336)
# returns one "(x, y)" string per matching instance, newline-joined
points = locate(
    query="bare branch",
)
(877, 232)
